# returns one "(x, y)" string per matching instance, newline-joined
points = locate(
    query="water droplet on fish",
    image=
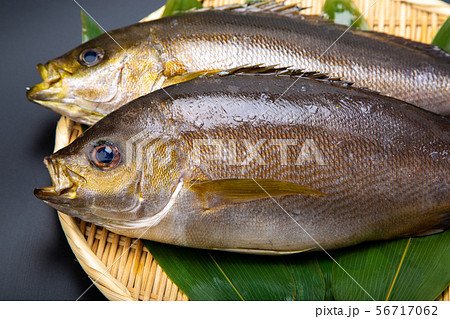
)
(303, 88)
(325, 111)
(238, 118)
(198, 122)
(434, 154)
(365, 109)
(268, 99)
(311, 108)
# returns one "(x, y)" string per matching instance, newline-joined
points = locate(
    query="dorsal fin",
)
(266, 7)
(261, 69)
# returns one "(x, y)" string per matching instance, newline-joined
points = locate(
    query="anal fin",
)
(439, 226)
(264, 251)
(428, 232)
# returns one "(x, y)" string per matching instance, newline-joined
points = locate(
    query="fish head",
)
(112, 175)
(95, 78)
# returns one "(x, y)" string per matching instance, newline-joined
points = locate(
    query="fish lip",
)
(65, 181)
(51, 75)
(46, 94)
(44, 193)
(51, 72)
(71, 110)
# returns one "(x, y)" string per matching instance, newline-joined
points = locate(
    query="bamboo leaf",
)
(372, 265)
(442, 38)
(426, 261)
(405, 269)
(216, 275)
(89, 29)
(326, 268)
(174, 7)
(309, 281)
(257, 277)
(194, 272)
(345, 12)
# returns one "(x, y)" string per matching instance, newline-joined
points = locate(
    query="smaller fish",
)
(99, 76)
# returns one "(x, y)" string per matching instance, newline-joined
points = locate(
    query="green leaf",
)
(310, 283)
(84, 127)
(442, 38)
(174, 7)
(426, 260)
(216, 275)
(345, 12)
(373, 267)
(326, 267)
(89, 29)
(194, 272)
(405, 269)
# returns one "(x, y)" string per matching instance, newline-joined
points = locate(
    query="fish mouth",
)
(50, 94)
(51, 76)
(65, 182)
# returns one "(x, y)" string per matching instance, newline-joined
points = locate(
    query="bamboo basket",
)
(121, 267)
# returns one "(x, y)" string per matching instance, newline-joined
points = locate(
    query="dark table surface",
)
(36, 262)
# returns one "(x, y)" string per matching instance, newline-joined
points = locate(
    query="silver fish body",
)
(159, 53)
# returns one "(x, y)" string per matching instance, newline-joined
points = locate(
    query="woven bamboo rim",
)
(121, 267)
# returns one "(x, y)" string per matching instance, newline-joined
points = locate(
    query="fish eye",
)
(105, 156)
(91, 57)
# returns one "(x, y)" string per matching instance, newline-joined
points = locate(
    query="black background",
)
(36, 262)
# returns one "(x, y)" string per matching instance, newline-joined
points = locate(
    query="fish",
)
(214, 163)
(113, 69)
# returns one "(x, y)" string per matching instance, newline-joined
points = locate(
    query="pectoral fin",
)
(233, 191)
(177, 73)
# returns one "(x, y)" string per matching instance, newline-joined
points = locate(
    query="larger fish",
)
(217, 164)
(100, 75)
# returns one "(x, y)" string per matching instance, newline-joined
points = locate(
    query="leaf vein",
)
(398, 269)
(226, 277)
